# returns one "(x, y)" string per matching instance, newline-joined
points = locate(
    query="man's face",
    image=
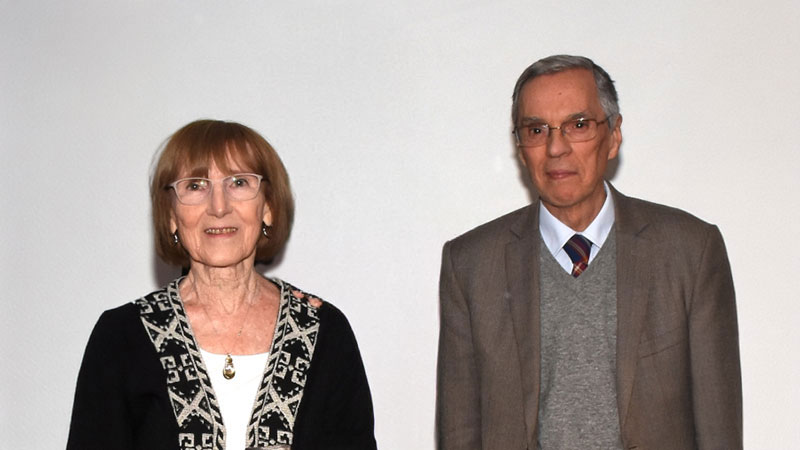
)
(568, 175)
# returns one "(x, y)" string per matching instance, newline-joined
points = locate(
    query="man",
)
(588, 319)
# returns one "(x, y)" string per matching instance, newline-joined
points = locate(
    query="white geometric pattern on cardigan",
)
(189, 387)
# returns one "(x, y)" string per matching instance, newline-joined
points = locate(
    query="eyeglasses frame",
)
(212, 182)
(515, 132)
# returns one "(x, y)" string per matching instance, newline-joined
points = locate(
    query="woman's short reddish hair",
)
(190, 151)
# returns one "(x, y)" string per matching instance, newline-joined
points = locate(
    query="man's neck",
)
(578, 217)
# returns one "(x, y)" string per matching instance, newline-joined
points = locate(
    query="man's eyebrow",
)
(538, 120)
(532, 119)
(580, 115)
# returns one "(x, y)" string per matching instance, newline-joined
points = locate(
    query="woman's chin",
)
(221, 262)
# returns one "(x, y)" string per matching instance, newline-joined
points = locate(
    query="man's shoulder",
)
(635, 214)
(496, 231)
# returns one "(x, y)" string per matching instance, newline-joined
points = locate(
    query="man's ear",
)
(521, 157)
(616, 138)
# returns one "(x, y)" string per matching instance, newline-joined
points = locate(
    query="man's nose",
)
(557, 143)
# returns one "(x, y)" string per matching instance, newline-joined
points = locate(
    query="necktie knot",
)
(578, 248)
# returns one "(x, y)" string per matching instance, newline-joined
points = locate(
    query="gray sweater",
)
(578, 398)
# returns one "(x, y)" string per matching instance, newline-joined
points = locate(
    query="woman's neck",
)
(223, 289)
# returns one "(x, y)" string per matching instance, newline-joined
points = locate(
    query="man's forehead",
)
(570, 93)
(577, 74)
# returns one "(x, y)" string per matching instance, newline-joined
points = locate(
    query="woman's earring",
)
(175, 240)
(265, 229)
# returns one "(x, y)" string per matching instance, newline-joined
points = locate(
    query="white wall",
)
(393, 121)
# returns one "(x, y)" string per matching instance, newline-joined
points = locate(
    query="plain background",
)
(393, 121)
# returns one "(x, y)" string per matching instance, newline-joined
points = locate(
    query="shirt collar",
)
(555, 234)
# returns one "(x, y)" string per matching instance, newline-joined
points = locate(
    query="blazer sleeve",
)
(458, 421)
(336, 411)
(714, 351)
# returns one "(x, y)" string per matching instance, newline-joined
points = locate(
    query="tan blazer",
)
(678, 373)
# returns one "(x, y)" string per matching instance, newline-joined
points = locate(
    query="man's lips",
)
(223, 230)
(559, 174)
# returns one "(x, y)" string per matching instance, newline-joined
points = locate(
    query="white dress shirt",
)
(555, 234)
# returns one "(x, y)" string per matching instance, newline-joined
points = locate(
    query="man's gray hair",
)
(559, 63)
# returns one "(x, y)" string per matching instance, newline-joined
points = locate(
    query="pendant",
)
(228, 371)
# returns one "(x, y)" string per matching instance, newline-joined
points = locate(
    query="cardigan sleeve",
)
(99, 414)
(336, 412)
(120, 397)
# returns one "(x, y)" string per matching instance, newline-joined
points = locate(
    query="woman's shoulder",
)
(297, 295)
(117, 327)
(164, 294)
(129, 314)
(119, 316)
(329, 315)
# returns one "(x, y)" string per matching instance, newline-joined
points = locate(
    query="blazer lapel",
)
(633, 290)
(522, 295)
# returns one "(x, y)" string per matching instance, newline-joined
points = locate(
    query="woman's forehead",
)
(229, 163)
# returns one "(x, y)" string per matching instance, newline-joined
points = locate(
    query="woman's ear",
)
(267, 214)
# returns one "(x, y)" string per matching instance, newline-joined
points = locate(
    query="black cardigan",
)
(121, 399)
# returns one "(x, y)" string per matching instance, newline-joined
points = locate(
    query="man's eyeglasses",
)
(576, 130)
(194, 190)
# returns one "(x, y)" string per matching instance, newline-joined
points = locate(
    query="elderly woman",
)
(222, 358)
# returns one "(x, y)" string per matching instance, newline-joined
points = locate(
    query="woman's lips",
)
(223, 230)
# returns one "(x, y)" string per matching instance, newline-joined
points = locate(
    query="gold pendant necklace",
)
(228, 369)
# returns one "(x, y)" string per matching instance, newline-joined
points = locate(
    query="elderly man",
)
(588, 319)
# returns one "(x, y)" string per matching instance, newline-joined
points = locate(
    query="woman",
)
(222, 358)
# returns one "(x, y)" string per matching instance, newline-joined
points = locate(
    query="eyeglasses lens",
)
(193, 191)
(535, 135)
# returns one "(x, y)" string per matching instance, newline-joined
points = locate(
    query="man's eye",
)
(535, 129)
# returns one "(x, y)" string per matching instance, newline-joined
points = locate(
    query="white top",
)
(237, 395)
(555, 234)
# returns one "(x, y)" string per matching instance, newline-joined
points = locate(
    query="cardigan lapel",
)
(193, 399)
(522, 295)
(633, 290)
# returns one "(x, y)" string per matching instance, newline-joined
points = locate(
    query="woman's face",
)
(221, 232)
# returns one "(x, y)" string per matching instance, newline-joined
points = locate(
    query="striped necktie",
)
(578, 248)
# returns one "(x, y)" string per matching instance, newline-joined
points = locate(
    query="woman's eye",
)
(195, 185)
(239, 182)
